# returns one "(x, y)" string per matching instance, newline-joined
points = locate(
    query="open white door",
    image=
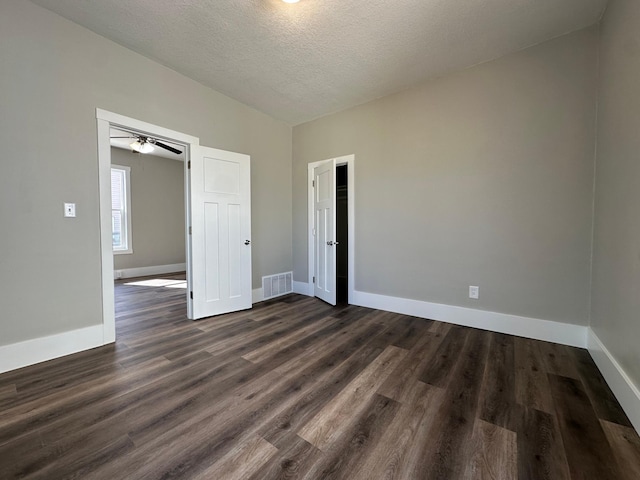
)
(220, 260)
(324, 208)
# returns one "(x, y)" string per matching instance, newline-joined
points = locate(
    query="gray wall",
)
(157, 210)
(53, 75)
(615, 315)
(483, 177)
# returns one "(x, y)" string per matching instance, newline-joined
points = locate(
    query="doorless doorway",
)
(105, 121)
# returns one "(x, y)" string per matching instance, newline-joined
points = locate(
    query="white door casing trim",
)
(105, 120)
(349, 161)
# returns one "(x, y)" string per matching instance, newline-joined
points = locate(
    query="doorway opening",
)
(331, 238)
(106, 123)
(148, 227)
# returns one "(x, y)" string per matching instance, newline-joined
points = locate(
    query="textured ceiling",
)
(300, 61)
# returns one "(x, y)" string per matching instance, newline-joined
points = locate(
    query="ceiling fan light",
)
(142, 147)
(147, 148)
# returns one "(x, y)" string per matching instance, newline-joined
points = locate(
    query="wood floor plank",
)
(231, 397)
(494, 453)
(45, 378)
(283, 309)
(447, 450)
(241, 462)
(412, 330)
(342, 344)
(261, 337)
(395, 455)
(199, 440)
(498, 396)
(35, 414)
(227, 418)
(604, 402)
(531, 382)
(291, 462)
(384, 395)
(8, 394)
(228, 336)
(626, 448)
(266, 351)
(400, 383)
(342, 457)
(412, 463)
(350, 360)
(276, 404)
(541, 454)
(588, 451)
(437, 371)
(78, 463)
(163, 347)
(440, 327)
(558, 360)
(331, 420)
(136, 410)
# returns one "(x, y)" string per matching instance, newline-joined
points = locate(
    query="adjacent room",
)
(320, 239)
(148, 179)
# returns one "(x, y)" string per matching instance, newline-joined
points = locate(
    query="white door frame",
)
(106, 120)
(350, 162)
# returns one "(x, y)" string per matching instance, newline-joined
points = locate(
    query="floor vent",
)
(276, 285)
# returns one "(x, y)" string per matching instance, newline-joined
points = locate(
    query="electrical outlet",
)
(70, 210)
(474, 292)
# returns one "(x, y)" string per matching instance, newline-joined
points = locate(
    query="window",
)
(121, 209)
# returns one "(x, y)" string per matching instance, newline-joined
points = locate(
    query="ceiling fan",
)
(144, 144)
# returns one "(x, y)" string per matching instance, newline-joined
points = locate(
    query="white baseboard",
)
(256, 295)
(564, 333)
(146, 271)
(302, 288)
(30, 352)
(627, 393)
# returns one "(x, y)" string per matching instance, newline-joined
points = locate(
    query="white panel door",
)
(324, 228)
(220, 260)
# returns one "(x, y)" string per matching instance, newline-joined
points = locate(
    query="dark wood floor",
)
(297, 389)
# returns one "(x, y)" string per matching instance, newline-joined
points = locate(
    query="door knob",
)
(247, 242)
(330, 243)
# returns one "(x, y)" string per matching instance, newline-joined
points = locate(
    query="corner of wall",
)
(625, 391)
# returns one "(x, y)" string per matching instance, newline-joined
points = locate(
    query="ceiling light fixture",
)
(290, 1)
(141, 146)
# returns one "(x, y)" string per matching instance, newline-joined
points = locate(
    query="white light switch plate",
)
(69, 209)
(474, 292)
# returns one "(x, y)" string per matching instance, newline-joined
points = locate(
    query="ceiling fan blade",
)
(167, 147)
(123, 137)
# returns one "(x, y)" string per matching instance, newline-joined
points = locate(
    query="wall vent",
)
(276, 285)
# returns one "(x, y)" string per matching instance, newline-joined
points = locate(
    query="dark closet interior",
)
(342, 235)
